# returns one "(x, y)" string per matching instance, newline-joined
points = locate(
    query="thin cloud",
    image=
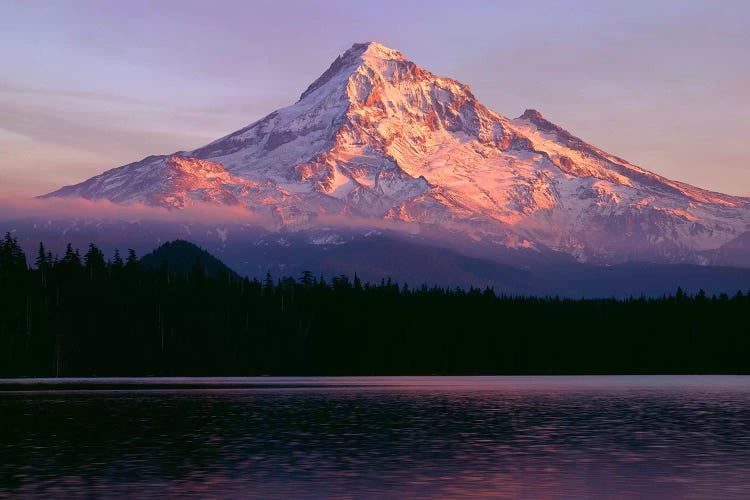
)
(76, 208)
(354, 222)
(62, 209)
(89, 95)
(53, 126)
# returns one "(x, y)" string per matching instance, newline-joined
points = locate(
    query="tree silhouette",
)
(73, 317)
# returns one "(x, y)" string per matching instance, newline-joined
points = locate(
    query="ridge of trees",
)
(89, 315)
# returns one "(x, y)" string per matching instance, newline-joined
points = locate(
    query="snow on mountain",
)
(379, 137)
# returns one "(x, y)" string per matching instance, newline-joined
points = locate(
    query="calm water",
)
(535, 437)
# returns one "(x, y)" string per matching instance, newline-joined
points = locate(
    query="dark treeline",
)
(84, 315)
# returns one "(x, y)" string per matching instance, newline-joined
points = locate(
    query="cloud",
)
(89, 95)
(72, 209)
(65, 127)
(76, 208)
(197, 212)
(353, 222)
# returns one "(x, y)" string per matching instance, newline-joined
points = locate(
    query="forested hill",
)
(86, 315)
(181, 256)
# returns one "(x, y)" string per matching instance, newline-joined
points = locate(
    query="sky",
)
(90, 85)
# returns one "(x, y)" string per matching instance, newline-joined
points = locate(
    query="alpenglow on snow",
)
(378, 137)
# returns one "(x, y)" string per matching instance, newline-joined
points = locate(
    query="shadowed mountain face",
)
(378, 137)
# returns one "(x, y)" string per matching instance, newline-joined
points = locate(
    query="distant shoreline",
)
(106, 384)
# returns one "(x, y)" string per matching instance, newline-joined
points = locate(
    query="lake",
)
(527, 437)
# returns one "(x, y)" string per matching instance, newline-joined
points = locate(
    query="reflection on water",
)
(395, 437)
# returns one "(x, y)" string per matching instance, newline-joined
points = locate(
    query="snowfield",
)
(380, 138)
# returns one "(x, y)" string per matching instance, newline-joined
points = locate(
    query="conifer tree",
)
(71, 258)
(94, 261)
(131, 262)
(117, 259)
(41, 258)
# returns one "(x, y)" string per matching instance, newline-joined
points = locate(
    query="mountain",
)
(378, 139)
(181, 256)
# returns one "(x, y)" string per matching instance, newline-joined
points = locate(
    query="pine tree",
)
(71, 258)
(94, 261)
(268, 287)
(307, 280)
(41, 258)
(42, 264)
(12, 257)
(131, 261)
(117, 263)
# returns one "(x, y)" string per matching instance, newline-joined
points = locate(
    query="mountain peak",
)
(355, 56)
(531, 115)
(375, 50)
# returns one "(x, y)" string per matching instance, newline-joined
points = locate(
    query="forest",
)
(93, 315)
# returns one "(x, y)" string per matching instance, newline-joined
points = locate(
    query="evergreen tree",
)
(71, 258)
(131, 261)
(136, 320)
(41, 258)
(117, 260)
(94, 261)
(268, 287)
(43, 263)
(307, 280)
(12, 257)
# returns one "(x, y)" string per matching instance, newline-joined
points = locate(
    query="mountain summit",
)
(377, 136)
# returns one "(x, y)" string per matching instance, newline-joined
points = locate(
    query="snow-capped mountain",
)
(377, 136)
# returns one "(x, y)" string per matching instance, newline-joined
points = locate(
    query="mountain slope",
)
(377, 136)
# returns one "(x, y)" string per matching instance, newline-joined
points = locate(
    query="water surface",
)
(558, 437)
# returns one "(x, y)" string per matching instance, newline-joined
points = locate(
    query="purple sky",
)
(90, 85)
